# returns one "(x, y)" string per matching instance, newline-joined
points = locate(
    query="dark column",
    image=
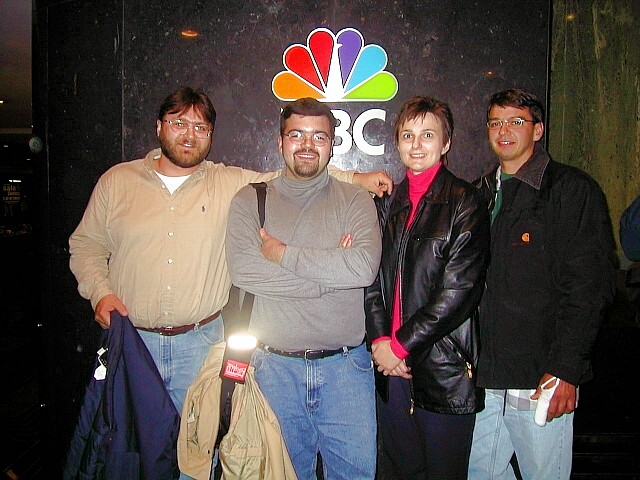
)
(78, 104)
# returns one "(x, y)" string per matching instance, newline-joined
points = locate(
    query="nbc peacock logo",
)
(335, 68)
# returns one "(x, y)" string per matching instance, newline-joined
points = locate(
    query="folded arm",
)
(248, 267)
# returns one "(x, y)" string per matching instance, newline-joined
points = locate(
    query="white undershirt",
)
(172, 183)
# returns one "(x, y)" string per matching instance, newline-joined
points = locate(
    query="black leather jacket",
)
(442, 258)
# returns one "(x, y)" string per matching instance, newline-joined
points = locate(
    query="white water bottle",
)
(540, 415)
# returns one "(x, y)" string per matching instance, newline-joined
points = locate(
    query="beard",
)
(173, 151)
(306, 169)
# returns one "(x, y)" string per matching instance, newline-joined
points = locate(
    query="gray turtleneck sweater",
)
(314, 299)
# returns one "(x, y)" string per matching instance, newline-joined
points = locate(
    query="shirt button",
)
(170, 260)
(171, 234)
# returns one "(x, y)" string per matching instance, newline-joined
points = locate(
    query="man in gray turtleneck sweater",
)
(319, 247)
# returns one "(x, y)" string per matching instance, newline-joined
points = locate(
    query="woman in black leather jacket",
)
(422, 308)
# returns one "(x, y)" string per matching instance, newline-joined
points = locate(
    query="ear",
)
(158, 127)
(446, 148)
(538, 130)
(280, 144)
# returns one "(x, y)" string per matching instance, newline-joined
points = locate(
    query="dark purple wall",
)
(459, 51)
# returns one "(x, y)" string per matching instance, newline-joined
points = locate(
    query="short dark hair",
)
(419, 107)
(518, 98)
(183, 99)
(308, 107)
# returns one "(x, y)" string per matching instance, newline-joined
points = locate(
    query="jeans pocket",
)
(360, 358)
(212, 332)
(257, 359)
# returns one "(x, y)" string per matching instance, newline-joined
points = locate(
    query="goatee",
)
(305, 168)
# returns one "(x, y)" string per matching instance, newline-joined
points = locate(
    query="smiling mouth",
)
(306, 155)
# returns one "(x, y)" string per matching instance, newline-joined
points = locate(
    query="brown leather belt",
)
(306, 354)
(171, 331)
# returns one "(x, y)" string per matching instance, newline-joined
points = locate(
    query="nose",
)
(191, 131)
(416, 142)
(307, 139)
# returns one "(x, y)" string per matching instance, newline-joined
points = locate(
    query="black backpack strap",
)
(238, 314)
(247, 302)
(261, 192)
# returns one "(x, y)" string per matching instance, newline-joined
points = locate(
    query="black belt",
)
(306, 354)
(171, 331)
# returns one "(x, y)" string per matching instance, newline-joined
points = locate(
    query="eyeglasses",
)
(515, 122)
(181, 127)
(319, 139)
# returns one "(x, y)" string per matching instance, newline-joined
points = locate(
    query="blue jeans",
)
(180, 357)
(542, 452)
(325, 406)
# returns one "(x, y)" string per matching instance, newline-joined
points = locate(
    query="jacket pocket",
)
(464, 358)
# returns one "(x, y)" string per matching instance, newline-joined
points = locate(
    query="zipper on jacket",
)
(404, 239)
(403, 244)
(459, 352)
(412, 403)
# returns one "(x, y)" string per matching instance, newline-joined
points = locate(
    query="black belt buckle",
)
(312, 354)
(318, 354)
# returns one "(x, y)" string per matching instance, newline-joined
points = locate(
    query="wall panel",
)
(458, 51)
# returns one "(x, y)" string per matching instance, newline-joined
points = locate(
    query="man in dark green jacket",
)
(550, 279)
